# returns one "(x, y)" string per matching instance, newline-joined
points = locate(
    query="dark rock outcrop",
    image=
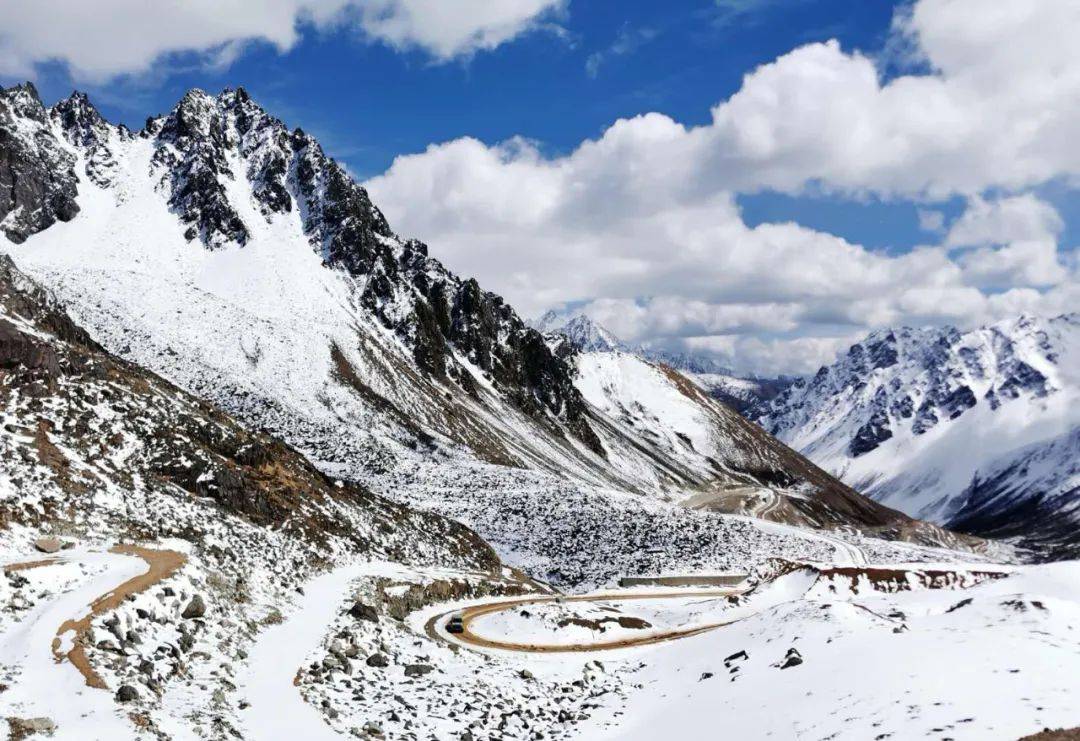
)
(38, 184)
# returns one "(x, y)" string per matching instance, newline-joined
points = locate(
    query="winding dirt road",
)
(470, 639)
(161, 565)
(35, 648)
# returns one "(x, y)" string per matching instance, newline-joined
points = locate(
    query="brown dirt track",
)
(162, 565)
(471, 613)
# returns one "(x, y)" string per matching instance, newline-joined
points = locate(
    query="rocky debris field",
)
(579, 538)
(383, 675)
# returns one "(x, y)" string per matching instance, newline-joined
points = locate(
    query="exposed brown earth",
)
(1061, 734)
(27, 565)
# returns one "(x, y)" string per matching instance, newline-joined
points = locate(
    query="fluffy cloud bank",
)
(105, 38)
(641, 224)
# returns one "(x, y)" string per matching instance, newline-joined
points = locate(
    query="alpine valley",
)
(270, 470)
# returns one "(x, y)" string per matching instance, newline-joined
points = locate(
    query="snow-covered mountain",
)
(115, 448)
(976, 430)
(581, 331)
(740, 392)
(232, 256)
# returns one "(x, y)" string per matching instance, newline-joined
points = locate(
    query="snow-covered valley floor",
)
(809, 651)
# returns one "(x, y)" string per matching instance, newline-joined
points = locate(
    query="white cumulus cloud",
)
(105, 38)
(640, 225)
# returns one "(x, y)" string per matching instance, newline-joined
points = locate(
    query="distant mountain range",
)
(738, 391)
(978, 431)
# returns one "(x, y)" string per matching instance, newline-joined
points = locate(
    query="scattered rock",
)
(958, 605)
(126, 693)
(195, 609)
(525, 674)
(793, 658)
(378, 660)
(49, 544)
(362, 611)
(418, 670)
(113, 624)
(705, 675)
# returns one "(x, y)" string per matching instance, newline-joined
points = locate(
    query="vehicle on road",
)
(455, 625)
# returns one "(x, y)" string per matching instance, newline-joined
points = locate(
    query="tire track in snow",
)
(277, 710)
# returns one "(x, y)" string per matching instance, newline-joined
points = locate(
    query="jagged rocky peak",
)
(80, 121)
(23, 101)
(230, 173)
(193, 158)
(84, 128)
(38, 184)
(207, 140)
(915, 379)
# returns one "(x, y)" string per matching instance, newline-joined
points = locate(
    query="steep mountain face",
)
(196, 160)
(102, 446)
(37, 176)
(750, 472)
(974, 430)
(231, 255)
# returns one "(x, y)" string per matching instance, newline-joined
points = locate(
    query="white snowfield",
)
(996, 661)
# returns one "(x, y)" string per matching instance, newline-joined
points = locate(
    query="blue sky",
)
(622, 190)
(370, 102)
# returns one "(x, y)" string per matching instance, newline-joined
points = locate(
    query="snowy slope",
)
(975, 429)
(361, 341)
(983, 662)
(667, 415)
(740, 392)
